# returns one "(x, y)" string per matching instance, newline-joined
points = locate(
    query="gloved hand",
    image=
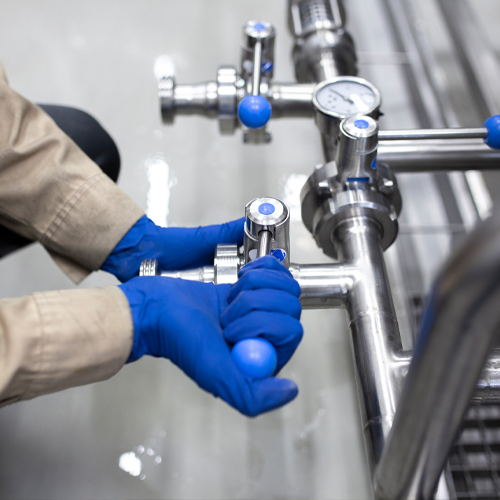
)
(175, 248)
(189, 322)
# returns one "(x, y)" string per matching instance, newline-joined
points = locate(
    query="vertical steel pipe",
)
(375, 336)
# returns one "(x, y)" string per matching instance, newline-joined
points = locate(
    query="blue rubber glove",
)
(188, 322)
(175, 248)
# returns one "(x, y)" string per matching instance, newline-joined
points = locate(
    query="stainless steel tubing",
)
(291, 100)
(257, 64)
(265, 238)
(287, 100)
(460, 325)
(445, 133)
(438, 155)
(200, 99)
(375, 337)
(323, 286)
(323, 49)
(205, 274)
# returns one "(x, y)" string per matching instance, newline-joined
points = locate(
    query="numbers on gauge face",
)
(346, 98)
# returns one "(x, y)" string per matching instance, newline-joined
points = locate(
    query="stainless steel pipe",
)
(375, 336)
(291, 100)
(438, 155)
(265, 238)
(461, 323)
(288, 100)
(323, 286)
(257, 64)
(429, 134)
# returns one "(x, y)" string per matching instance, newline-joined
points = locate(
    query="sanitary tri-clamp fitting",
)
(354, 185)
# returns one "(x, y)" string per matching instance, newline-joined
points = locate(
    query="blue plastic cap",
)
(493, 126)
(259, 26)
(254, 111)
(266, 208)
(279, 254)
(255, 358)
(267, 67)
(361, 124)
(358, 179)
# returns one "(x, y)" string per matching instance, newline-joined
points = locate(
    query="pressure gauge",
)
(341, 97)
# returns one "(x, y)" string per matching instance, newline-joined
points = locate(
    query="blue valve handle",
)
(493, 137)
(254, 111)
(255, 357)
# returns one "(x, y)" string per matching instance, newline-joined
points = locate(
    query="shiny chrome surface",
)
(323, 49)
(277, 224)
(375, 336)
(461, 323)
(149, 267)
(446, 133)
(438, 155)
(257, 43)
(323, 286)
(358, 202)
(227, 79)
(204, 274)
(257, 64)
(227, 263)
(264, 245)
(357, 150)
(290, 100)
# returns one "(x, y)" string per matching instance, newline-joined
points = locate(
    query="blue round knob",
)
(266, 208)
(254, 111)
(361, 124)
(493, 126)
(256, 358)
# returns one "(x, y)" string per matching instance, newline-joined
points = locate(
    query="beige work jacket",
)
(52, 192)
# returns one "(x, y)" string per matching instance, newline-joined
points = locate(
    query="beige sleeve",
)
(52, 192)
(51, 341)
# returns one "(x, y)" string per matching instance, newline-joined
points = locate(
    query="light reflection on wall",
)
(161, 179)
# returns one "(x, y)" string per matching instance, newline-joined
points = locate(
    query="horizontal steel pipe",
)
(430, 134)
(291, 100)
(200, 99)
(460, 326)
(323, 285)
(438, 155)
(287, 100)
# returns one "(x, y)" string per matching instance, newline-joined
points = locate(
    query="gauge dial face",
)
(346, 97)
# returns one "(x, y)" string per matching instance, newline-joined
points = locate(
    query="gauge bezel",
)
(354, 79)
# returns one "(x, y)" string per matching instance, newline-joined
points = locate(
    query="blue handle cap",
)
(254, 111)
(255, 358)
(493, 126)
(266, 208)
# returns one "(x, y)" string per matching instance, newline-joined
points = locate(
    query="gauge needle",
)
(343, 96)
(356, 99)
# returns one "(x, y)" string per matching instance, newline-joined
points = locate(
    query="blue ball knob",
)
(493, 126)
(254, 111)
(256, 358)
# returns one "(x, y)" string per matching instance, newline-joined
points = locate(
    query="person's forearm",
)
(52, 192)
(51, 341)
